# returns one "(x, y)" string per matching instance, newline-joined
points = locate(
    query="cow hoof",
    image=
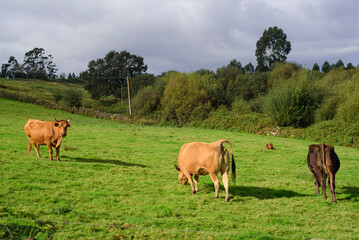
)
(193, 192)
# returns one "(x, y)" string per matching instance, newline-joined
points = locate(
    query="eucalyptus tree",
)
(38, 65)
(272, 48)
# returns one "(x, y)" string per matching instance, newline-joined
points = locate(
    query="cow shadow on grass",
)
(263, 192)
(351, 192)
(103, 161)
(259, 192)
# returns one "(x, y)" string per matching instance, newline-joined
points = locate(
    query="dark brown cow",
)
(322, 162)
(198, 158)
(46, 133)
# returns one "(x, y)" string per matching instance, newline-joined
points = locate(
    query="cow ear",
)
(56, 124)
(69, 125)
(178, 169)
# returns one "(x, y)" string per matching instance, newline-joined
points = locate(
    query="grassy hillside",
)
(117, 181)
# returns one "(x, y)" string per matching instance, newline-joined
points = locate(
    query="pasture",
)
(117, 181)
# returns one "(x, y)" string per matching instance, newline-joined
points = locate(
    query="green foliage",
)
(327, 110)
(228, 73)
(315, 67)
(107, 76)
(241, 106)
(213, 87)
(272, 48)
(57, 96)
(72, 98)
(282, 71)
(146, 101)
(141, 81)
(38, 65)
(348, 110)
(293, 102)
(184, 100)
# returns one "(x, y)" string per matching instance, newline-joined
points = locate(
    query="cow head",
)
(181, 177)
(62, 125)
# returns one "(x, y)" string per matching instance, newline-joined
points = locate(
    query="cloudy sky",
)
(182, 35)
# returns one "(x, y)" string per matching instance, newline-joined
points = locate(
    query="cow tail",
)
(233, 162)
(324, 162)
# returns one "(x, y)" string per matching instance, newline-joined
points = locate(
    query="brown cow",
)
(198, 158)
(269, 146)
(322, 162)
(46, 133)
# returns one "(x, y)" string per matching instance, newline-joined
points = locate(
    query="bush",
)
(327, 110)
(241, 106)
(292, 103)
(146, 101)
(348, 110)
(72, 98)
(57, 97)
(184, 100)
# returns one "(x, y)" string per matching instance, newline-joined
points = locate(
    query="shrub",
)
(72, 98)
(241, 106)
(292, 103)
(57, 97)
(348, 110)
(146, 101)
(327, 110)
(184, 100)
(281, 71)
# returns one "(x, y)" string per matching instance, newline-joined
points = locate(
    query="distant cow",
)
(322, 162)
(269, 146)
(46, 133)
(198, 158)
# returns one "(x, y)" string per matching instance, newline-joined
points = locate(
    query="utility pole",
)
(129, 97)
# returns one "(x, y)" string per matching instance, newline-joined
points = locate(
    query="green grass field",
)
(117, 181)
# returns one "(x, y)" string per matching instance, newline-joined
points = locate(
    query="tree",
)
(272, 48)
(315, 67)
(326, 67)
(228, 73)
(350, 66)
(12, 69)
(339, 64)
(105, 76)
(39, 66)
(249, 68)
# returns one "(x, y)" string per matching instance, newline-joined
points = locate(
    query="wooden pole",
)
(129, 97)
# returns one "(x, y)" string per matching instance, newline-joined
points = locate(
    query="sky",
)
(181, 35)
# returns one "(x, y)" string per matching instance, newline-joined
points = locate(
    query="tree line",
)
(281, 91)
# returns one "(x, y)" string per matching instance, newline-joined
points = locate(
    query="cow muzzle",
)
(63, 134)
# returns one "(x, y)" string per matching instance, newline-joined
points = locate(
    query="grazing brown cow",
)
(269, 146)
(322, 162)
(198, 158)
(46, 133)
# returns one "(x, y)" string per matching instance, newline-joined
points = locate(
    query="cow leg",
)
(324, 178)
(57, 153)
(316, 183)
(50, 151)
(189, 177)
(29, 147)
(332, 187)
(196, 182)
(37, 149)
(216, 184)
(226, 184)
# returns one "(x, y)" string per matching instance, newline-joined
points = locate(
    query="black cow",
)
(322, 162)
